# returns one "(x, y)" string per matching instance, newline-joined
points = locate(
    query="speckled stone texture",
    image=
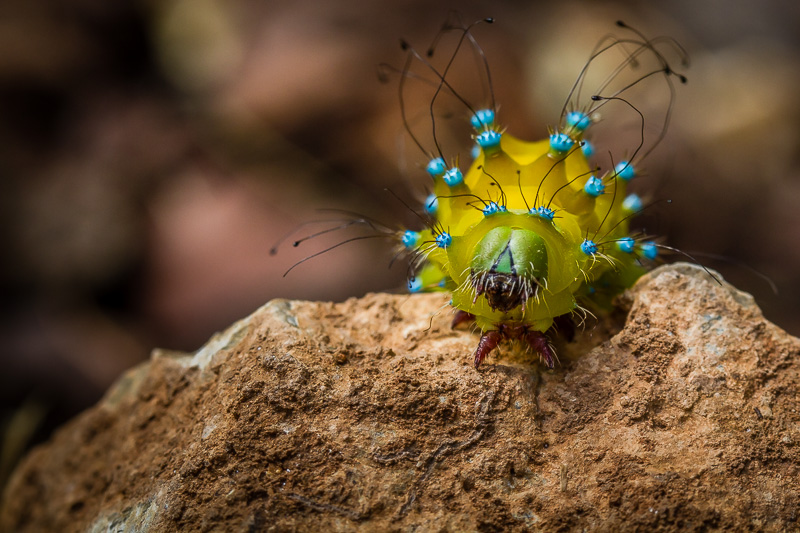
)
(368, 415)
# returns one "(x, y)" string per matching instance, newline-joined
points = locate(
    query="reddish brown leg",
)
(538, 341)
(488, 342)
(461, 317)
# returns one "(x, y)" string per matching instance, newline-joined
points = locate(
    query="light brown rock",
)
(368, 415)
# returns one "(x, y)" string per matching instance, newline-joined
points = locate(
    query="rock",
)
(368, 415)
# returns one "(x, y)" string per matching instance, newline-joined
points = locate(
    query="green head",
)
(507, 266)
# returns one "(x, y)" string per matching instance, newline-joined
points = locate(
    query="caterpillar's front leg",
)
(489, 341)
(535, 339)
(541, 344)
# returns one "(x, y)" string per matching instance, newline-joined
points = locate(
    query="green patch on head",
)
(507, 250)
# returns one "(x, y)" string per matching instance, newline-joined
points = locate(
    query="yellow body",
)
(530, 175)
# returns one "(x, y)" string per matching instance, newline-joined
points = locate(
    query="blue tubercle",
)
(432, 204)
(542, 212)
(414, 285)
(594, 186)
(410, 238)
(561, 142)
(443, 240)
(589, 247)
(481, 118)
(625, 170)
(632, 203)
(492, 208)
(587, 148)
(578, 120)
(475, 152)
(453, 177)
(626, 244)
(649, 250)
(436, 166)
(488, 139)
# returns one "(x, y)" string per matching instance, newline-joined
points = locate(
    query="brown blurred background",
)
(151, 152)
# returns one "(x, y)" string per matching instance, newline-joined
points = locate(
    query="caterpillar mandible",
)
(532, 231)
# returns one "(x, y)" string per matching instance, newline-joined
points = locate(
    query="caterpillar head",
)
(508, 267)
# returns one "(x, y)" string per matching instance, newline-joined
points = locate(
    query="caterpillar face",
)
(532, 231)
(508, 265)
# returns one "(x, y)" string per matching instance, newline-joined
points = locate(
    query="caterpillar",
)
(532, 232)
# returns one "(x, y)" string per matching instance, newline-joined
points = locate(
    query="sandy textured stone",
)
(368, 415)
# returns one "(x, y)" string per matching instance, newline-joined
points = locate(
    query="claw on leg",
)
(538, 341)
(489, 340)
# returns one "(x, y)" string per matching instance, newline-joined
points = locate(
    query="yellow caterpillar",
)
(532, 231)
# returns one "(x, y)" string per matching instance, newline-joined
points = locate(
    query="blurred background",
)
(152, 152)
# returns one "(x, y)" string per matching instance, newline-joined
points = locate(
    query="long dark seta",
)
(354, 214)
(274, 248)
(404, 74)
(631, 61)
(689, 256)
(346, 225)
(381, 229)
(384, 69)
(413, 264)
(716, 257)
(326, 250)
(411, 256)
(503, 198)
(425, 222)
(358, 219)
(400, 88)
(667, 116)
(553, 166)
(442, 76)
(615, 178)
(635, 213)
(467, 195)
(577, 86)
(442, 82)
(459, 25)
(519, 186)
(475, 207)
(642, 128)
(681, 51)
(570, 182)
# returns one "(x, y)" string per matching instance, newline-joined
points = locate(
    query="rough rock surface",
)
(368, 415)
